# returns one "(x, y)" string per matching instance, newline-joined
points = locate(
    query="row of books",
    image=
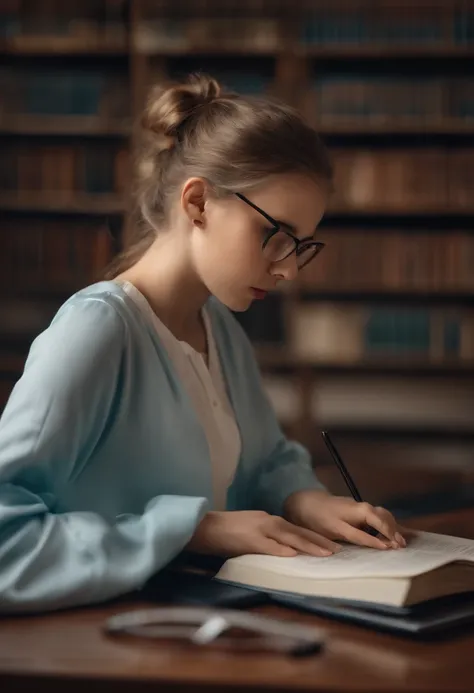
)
(26, 23)
(350, 23)
(414, 179)
(46, 252)
(388, 96)
(64, 169)
(347, 333)
(64, 91)
(80, 92)
(403, 179)
(372, 261)
(369, 23)
(49, 254)
(222, 33)
(240, 34)
(392, 260)
(89, 91)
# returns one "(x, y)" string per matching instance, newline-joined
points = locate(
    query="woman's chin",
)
(236, 303)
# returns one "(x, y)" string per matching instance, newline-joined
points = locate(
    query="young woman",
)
(139, 427)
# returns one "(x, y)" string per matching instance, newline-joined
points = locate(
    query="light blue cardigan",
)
(104, 468)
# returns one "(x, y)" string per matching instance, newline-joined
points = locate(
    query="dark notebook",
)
(189, 581)
(441, 617)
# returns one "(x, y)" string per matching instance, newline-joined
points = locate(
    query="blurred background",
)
(375, 340)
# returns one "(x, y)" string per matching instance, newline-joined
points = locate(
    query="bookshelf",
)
(388, 308)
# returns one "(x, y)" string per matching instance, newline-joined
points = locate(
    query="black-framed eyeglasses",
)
(221, 628)
(281, 242)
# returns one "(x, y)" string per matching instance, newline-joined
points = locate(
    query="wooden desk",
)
(70, 649)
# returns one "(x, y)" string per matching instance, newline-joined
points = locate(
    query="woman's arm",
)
(280, 466)
(54, 419)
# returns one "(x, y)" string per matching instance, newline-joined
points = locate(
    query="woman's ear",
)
(193, 200)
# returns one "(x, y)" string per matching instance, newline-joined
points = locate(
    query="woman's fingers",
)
(302, 539)
(384, 522)
(354, 535)
(274, 548)
(282, 538)
(302, 545)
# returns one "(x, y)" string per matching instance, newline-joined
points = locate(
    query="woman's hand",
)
(255, 531)
(338, 517)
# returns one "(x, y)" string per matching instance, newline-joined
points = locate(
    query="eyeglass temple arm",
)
(210, 630)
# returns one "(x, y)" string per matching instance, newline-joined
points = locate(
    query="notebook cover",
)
(175, 587)
(438, 617)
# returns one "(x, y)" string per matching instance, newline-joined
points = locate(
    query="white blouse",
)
(206, 388)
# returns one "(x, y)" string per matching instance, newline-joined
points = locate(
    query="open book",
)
(432, 565)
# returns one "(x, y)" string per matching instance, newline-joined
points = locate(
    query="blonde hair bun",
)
(170, 106)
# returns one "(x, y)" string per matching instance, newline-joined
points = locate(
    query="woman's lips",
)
(259, 293)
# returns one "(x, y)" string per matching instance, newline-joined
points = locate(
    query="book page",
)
(425, 551)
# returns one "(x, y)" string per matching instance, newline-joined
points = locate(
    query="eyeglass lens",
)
(280, 246)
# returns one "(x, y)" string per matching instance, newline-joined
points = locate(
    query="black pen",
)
(345, 475)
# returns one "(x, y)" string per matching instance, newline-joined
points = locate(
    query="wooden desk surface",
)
(70, 648)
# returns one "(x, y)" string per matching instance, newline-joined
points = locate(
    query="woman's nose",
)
(285, 269)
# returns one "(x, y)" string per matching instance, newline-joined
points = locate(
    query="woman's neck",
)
(165, 276)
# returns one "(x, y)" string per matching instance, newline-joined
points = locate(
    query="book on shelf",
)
(382, 24)
(397, 260)
(331, 332)
(64, 169)
(207, 34)
(431, 566)
(402, 180)
(53, 255)
(94, 96)
(55, 25)
(419, 100)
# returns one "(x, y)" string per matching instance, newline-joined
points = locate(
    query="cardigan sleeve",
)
(280, 466)
(54, 418)
(285, 466)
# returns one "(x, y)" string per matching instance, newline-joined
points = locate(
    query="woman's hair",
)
(235, 142)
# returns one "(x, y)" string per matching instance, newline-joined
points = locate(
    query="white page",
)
(424, 552)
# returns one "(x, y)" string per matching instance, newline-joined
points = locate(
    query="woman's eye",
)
(267, 231)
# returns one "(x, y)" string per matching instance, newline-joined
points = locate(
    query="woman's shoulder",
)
(105, 297)
(101, 310)
(107, 291)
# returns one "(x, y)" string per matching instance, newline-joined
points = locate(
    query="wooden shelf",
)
(283, 358)
(59, 46)
(80, 203)
(70, 47)
(63, 125)
(376, 432)
(380, 296)
(446, 126)
(376, 51)
(376, 211)
(211, 50)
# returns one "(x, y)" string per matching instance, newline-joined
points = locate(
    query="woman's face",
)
(227, 246)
